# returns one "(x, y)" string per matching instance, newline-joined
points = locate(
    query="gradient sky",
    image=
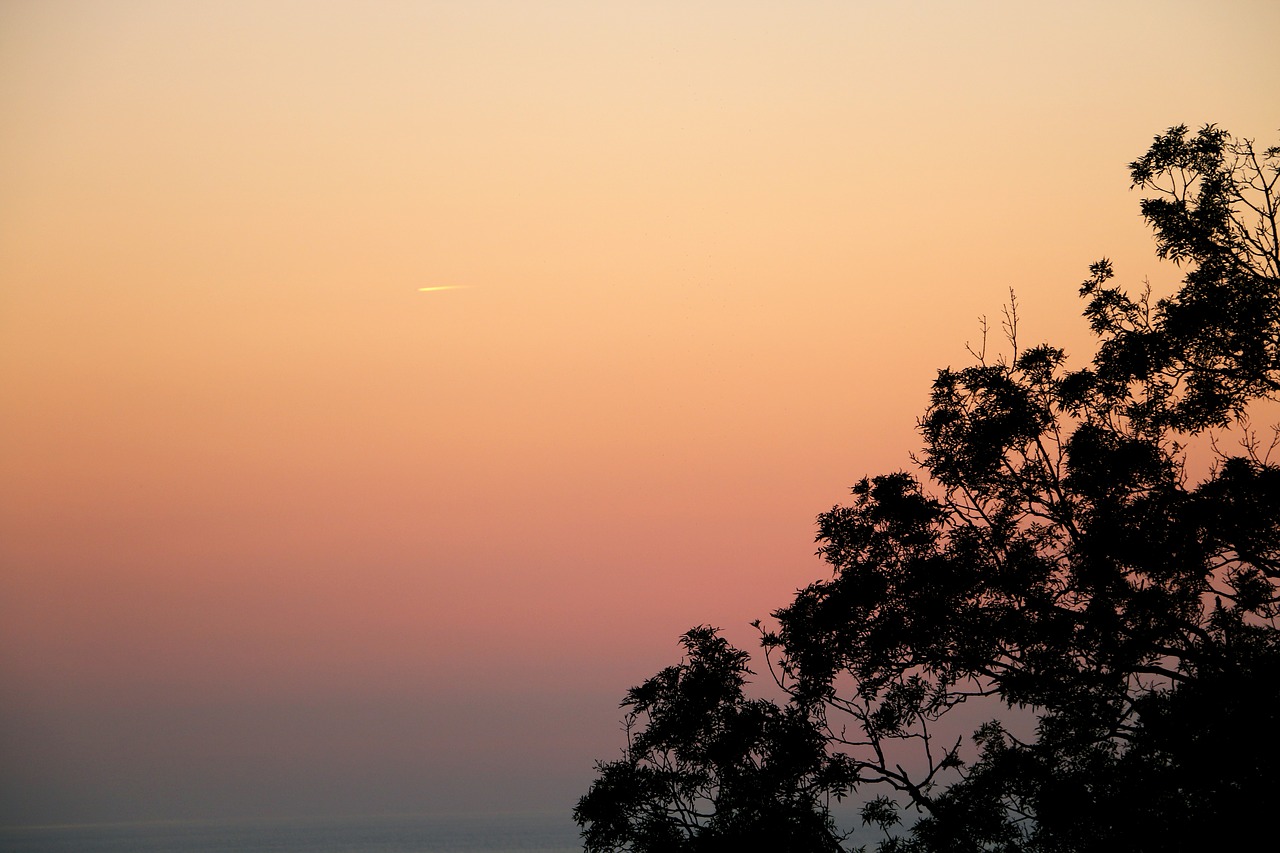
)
(282, 534)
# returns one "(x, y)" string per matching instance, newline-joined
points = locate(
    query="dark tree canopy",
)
(1052, 558)
(710, 769)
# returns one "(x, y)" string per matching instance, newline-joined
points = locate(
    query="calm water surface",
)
(489, 834)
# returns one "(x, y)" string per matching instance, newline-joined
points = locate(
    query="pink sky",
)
(282, 534)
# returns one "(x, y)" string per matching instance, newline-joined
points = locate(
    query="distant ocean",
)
(490, 834)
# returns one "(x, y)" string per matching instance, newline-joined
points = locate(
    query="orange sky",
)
(282, 534)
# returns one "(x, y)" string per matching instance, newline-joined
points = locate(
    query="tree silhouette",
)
(1054, 560)
(710, 769)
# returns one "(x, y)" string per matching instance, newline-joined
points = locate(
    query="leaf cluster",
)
(708, 769)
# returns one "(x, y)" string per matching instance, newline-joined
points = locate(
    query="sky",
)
(283, 534)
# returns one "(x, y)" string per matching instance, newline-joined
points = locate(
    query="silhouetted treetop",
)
(707, 769)
(1053, 559)
(1202, 354)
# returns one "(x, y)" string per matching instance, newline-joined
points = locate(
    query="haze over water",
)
(286, 530)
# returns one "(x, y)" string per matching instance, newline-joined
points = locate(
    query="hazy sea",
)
(525, 833)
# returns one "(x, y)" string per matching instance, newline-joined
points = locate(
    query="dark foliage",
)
(707, 769)
(1054, 561)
